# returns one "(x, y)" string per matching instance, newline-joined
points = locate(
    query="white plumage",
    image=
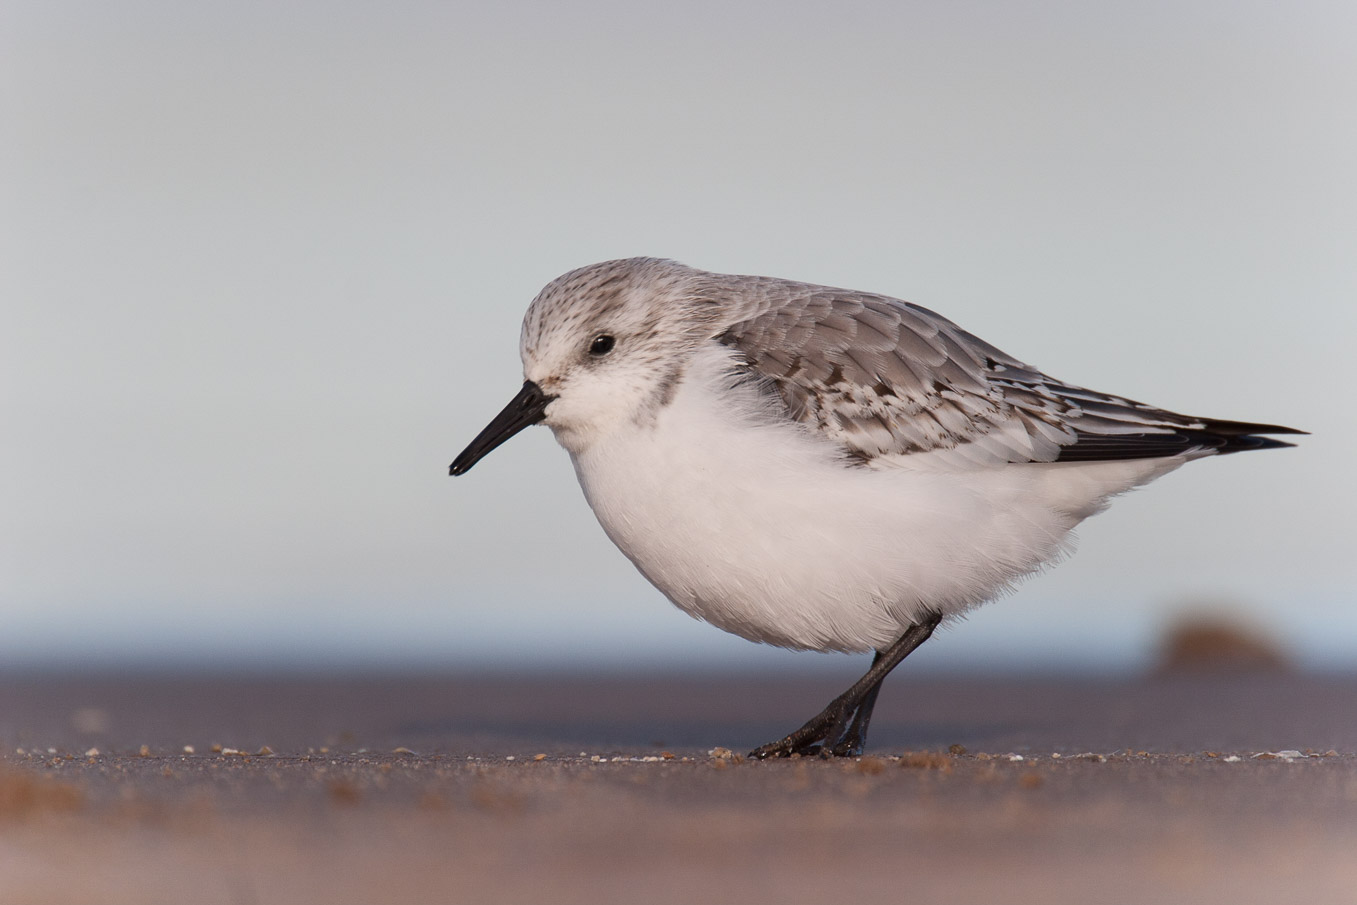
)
(818, 468)
(758, 525)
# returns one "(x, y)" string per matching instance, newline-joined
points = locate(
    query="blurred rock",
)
(1218, 644)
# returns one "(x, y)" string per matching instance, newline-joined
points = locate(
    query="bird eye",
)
(602, 344)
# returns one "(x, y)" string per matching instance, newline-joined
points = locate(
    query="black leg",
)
(847, 715)
(851, 741)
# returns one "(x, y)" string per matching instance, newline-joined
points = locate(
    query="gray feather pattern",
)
(885, 377)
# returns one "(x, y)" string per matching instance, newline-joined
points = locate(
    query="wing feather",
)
(883, 377)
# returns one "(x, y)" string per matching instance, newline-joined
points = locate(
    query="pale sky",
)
(263, 266)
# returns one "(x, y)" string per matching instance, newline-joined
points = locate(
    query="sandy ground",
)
(564, 789)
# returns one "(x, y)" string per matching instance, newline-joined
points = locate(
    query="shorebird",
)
(819, 468)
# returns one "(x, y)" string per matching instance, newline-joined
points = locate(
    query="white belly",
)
(756, 527)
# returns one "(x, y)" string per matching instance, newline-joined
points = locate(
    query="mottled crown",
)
(648, 296)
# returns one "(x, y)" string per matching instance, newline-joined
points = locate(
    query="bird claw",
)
(823, 736)
(786, 748)
(849, 746)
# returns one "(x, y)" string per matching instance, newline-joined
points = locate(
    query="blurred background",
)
(262, 268)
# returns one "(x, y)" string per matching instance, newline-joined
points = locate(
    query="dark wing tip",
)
(1221, 437)
(1242, 436)
(1247, 442)
(1240, 428)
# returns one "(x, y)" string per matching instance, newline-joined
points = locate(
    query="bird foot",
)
(849, 746)
(826, 735)
(786, 747)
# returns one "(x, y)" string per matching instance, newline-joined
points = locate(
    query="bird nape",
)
(819, 468)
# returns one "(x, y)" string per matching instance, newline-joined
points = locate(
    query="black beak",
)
(527, 408)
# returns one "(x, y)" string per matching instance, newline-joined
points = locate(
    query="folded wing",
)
(884, 377)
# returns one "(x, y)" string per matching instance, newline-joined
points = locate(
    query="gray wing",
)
(884, 377)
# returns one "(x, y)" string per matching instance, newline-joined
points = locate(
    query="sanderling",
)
(822, 469)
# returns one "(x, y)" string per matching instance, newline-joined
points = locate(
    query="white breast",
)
(758, 527)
